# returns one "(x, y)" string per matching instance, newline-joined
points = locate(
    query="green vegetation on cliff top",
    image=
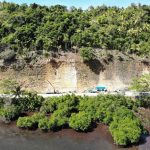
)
(26, 28)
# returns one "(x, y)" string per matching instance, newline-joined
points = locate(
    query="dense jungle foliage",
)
(26, 28)
(79, 113)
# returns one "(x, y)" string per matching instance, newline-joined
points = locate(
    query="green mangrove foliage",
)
(126, 131)
(44, 124)
(125, 127)
(30, 122)
(30, 101)
(81, 114)
(26, 28)
(26, 122)
(80, 121)
(48, 106)
(64, 103)
(58, 121)
(9, 113)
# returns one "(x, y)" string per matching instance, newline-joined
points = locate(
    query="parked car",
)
(101, 88)
(91, 90)
(97, 89)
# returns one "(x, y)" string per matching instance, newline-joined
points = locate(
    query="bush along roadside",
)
(30, 101)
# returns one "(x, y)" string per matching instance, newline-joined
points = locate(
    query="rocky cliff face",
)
(69, 73)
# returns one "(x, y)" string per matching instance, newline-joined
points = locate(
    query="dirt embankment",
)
(70, 73)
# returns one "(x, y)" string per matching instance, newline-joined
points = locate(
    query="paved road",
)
(78, 94)
(57, 95)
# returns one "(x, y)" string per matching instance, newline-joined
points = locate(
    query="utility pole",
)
(52, 86)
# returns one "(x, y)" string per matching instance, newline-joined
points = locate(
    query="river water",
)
(12, 138)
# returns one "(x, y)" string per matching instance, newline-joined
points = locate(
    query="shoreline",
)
(100, 133)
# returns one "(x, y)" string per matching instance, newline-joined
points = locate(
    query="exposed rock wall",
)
(69, 73)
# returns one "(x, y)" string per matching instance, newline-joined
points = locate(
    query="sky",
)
(84, 4)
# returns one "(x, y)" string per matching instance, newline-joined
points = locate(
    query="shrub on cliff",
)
(141, 84)
(80, 121)
(87, 53)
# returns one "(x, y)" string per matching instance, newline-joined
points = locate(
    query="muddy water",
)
(12, 138)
